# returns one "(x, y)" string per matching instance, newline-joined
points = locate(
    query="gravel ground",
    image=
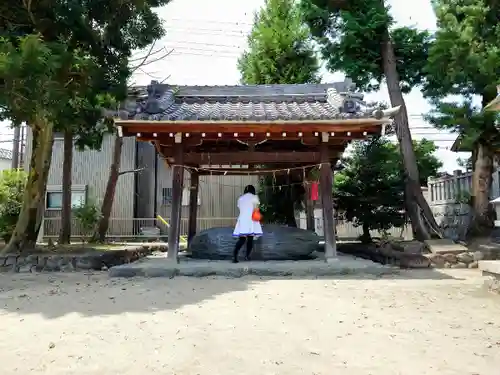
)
(417, 323)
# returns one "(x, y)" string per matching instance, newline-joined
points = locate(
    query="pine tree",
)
(280, 51)
(357, 37)
(464, 60)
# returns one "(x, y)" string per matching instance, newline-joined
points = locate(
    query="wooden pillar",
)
(326, 183)
(193, 204)
(176, 209)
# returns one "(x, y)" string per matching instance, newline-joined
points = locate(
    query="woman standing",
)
(246, 229)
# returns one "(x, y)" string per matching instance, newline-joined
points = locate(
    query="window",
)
(54, 197)
(166, 195)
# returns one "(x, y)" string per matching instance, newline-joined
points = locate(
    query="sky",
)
(207, 37)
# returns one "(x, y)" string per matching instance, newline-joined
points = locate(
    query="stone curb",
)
(230, 271)
(91, 260)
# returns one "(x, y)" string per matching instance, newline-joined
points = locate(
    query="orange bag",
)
(256, 215)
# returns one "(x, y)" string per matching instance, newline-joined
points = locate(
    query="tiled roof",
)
(244, 111)
(246, 103)
(5, 154)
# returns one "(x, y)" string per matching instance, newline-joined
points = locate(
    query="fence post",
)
(457, 175)
(40, 232)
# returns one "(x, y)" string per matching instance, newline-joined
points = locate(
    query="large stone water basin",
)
(277, 243)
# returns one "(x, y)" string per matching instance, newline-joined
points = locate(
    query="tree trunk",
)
(419, 231)
(482, 217)
(65, 233)
(414, 195)
(366, 237)
(29, 221)
(109, 196)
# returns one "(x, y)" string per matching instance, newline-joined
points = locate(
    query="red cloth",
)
(314, 191)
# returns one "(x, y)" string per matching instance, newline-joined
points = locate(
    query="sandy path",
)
(77, 324)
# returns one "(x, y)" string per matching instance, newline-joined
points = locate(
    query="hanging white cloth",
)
(245, 226)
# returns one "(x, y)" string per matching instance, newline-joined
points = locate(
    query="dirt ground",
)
(418, 323)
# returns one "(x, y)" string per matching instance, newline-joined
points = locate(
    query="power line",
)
(217, 22)
(228, 52)
(209, 32)
(204, 44)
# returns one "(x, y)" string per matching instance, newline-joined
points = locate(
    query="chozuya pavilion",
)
(200, 127)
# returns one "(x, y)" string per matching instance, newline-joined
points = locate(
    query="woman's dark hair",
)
(249, 189)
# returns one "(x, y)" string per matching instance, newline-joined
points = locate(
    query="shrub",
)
(12, 183)
(88, 215)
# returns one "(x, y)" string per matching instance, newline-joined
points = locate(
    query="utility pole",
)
(15, 147)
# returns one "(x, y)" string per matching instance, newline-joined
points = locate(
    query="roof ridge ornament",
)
(335, 99)
(344, 98)
(160, 97)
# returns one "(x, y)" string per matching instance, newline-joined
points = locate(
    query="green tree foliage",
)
(60, 63)
(280, 196)
(11, 199)
(280, 52)
(370, 188)
(464, 60)
(351, 33)
(279, 47)
(358, 38)
(428, 164)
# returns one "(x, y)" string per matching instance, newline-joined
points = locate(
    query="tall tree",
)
(280, 51)
(464, 60)
(358, 38)
(80, 136)
(376, 166)
(138, 62)
(59, 63)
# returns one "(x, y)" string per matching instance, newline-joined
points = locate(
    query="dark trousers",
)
(239, 245)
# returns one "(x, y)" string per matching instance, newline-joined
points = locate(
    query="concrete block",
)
(445, 246)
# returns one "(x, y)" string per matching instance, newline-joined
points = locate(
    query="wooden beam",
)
(132, 128)
(270, 148)
(251, 170)
(197, 139)
(246, 157)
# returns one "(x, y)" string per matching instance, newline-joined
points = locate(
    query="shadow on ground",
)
(54, 295)
(57, 294)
